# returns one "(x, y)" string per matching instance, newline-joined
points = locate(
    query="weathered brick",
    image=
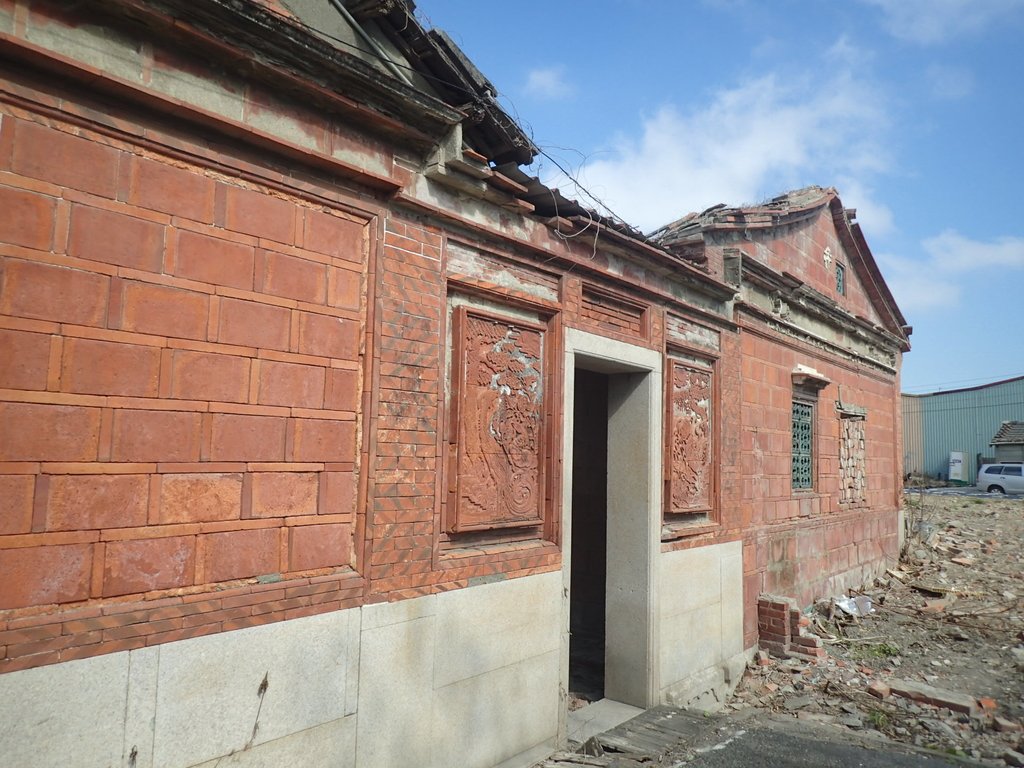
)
(342, 390)
(283, 494)
(259, 214)
(16, 495)
(200, 497)
(337, 493)
(110, 368)
(335, 236)
(81, 502)
(164, 311)
(344, 288)
(320, 546)
(38, 432)
(169, 189)
(43, 575)
(25, 359)
(294, 278)
(254, 325)
(49, 292)
(116, 238)
(324, 440)
(155, 436)
(328, 336)
(297, 386)
(213, 260)
(238, 437)
(72, 161)
(27, 218)
(241, 554)
(210, 376)
(142, 565)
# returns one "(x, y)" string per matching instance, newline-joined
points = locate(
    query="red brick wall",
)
(806, 544)
(180, 392)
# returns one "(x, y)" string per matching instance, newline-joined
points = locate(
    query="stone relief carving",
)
(690, 440)
(500, 412)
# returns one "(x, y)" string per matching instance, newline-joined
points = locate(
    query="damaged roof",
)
(686, 237)
(779, 210)
(1010, 433)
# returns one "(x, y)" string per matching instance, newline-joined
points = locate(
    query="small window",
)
(840, 279)
(803, 444)
(994, 471)
(1015, 471)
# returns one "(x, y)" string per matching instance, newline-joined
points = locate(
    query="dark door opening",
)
(588, 565)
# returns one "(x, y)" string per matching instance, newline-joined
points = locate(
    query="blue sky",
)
(912, 109)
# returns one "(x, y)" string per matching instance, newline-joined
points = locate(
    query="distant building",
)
(1008, 443)
(975, 420)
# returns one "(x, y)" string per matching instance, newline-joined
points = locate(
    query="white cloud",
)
(950, 82)
(953, 264)
(929, 22)
(751, 142)
(915, 286)
(547, 83)
(848, 54)
(952, 252)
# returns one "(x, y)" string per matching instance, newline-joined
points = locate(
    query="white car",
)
(1006, 477)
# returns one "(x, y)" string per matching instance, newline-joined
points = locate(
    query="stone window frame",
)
(840, 278)
(691, 522)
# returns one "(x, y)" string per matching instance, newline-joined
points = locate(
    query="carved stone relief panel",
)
(497, 464)
(690, 440)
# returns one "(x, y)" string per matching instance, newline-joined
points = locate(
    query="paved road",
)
(767, 742)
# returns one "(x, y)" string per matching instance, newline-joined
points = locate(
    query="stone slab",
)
(331, 744)
(494, 625)
(208, 700)
(64, 714)
(599, 717)
(958, 702)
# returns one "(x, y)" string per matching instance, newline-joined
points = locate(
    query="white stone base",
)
(701, 634)
(467, 678)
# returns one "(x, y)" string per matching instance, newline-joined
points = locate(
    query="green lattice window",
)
(803, 444)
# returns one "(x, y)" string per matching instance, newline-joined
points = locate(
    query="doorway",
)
(588, 569)
(612, 498)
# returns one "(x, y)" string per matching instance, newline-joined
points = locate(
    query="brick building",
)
(307, 400)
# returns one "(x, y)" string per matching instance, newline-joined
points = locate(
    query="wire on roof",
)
(458, 87)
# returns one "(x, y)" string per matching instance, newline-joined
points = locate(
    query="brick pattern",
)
(181, 404)
(611, 314)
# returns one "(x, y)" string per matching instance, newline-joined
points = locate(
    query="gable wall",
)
(798, 249)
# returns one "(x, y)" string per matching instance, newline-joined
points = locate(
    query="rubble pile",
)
(930, 655)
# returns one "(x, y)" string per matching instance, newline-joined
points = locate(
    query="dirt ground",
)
(950, 616)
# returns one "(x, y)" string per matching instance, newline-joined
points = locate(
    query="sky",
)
(912, 109)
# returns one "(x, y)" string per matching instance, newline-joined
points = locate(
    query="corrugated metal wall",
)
(913, 437)
(959, 420)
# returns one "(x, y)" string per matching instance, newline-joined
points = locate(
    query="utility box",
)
(957, 467)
